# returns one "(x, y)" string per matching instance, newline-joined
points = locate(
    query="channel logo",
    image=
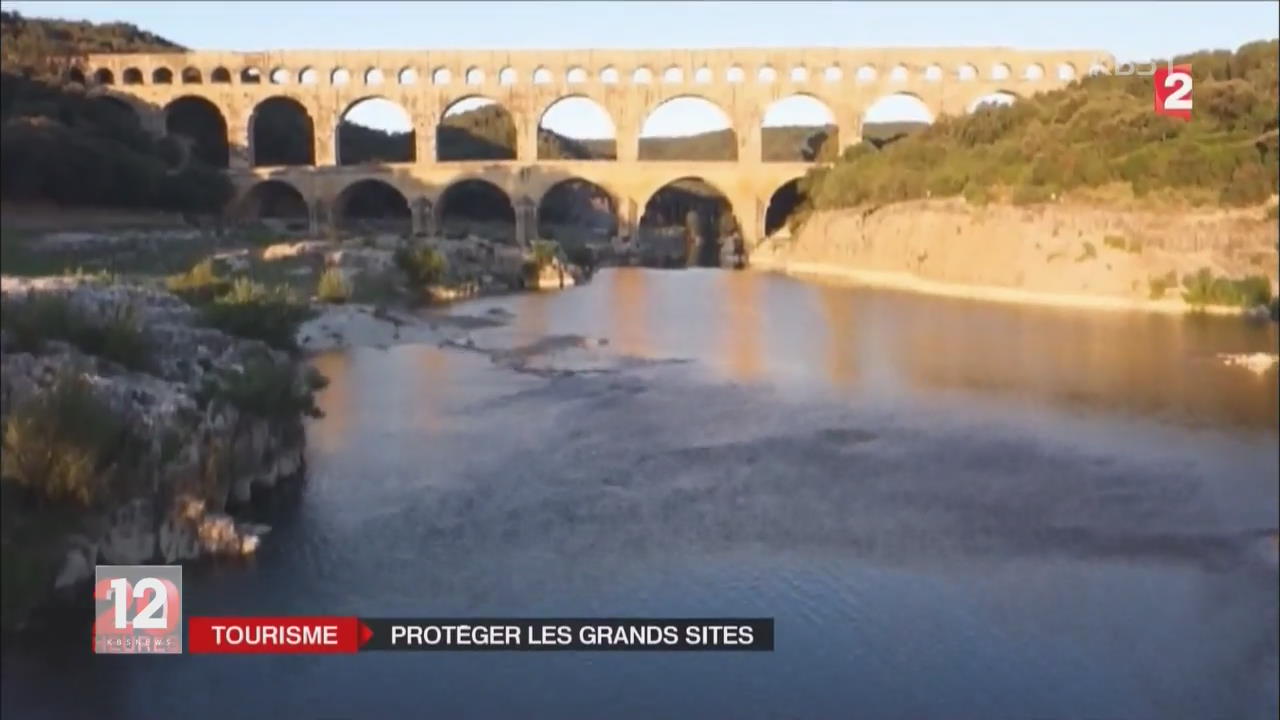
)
(137, 609)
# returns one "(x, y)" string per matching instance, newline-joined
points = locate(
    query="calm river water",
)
(952, 509)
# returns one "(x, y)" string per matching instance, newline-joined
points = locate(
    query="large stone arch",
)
(797, 138)
(282, 132)
(669, 235)
(370, 205)
(978, 97)
(709, 145)
(357, 144)
(475, 205)
(201, 122)
(555, 145)
(276, 201)
(487, 131)
(785, 200)
(895, 113)
(576, 211)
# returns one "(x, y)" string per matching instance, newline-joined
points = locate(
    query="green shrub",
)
(333, 287)
(269, 390)
(117, 337)
(1203, 288)
(253, 311)
(63, 443)
(545, 253)
(200, 284)
(421, 266)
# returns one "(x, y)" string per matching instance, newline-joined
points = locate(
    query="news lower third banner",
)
(311, 635)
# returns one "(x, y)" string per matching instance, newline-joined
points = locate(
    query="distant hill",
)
(58, 145)
(40, 47)
(1098, 131)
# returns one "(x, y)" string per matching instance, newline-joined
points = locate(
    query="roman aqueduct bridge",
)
(628, 85)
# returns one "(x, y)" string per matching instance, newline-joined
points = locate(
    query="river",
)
(952, 509)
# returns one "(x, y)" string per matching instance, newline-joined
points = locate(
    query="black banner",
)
(555, 634)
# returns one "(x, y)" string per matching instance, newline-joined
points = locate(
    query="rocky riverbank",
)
(1053, 254)
(132, 432)
(138, 420)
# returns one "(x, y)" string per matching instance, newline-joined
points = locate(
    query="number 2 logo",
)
(1172, 87)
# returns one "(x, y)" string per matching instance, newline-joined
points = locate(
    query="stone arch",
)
(542, 76)
(103, 76)
(374, 76)
(894, 115)
(279, 76)
(476, 127)
(407, 76)
(474, 206)
(966, 72)
(576, 127)
(866, 74)
(308, 76)
(201, 126)
(642, 76)
(372, 205)
(277, 202)
(1000, 71)
(688, 221)
(899, 74)
(933, 73)
(766, 74)
(999, 98)
(1033, 72)
(282, 132)
(508, 76)
(783, 203)
(576, 212)
(735, 74)
(673, 75)
(441, 76)
(799, 128)
(833, 74)
(662, 138)
(575, 76)
(474, 76)
(220, 76)
(339, 76)
(799, 74)
(703, 76)
(250, 76)
(76, 75)
(1066, 72)
(609, 75)
(162, 76)
(375, 129)
(192, 76)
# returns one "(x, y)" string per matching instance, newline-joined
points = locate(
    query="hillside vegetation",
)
(1098, 131)
(62, 146)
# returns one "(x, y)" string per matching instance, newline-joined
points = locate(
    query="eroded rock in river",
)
(200, 438)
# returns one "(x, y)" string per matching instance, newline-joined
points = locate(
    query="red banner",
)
(310, 635)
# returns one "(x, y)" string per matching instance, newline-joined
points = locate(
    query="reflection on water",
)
(862, 342)
(922, 557)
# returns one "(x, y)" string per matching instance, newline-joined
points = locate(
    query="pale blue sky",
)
(1128, 30)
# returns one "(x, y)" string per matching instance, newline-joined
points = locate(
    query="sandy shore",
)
(912, 283)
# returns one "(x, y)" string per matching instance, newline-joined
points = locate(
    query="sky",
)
(1129, 30)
